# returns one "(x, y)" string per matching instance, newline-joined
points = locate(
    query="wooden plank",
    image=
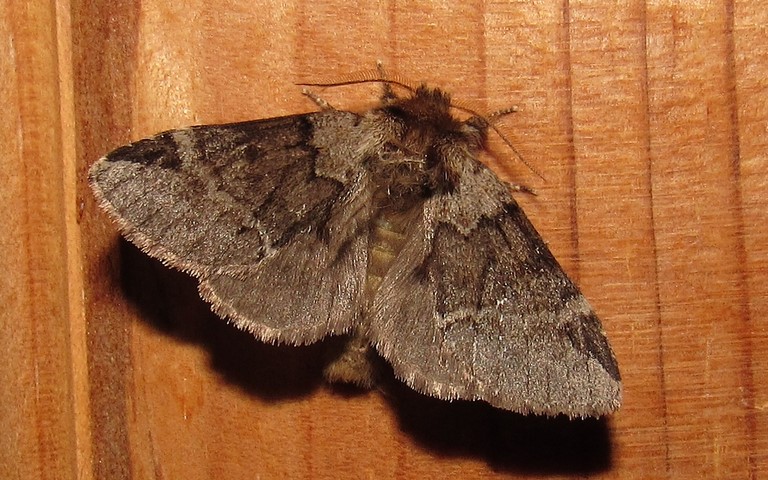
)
(699, 243)
(36, 410)
(748, 89)
(646, 119)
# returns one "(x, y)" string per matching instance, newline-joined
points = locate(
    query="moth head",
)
(427, 118)
(429, 145)
(433, 105)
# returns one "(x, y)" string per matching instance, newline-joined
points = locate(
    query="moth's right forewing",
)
(476, 307)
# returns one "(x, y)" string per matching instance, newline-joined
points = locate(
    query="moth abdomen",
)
(386, 239)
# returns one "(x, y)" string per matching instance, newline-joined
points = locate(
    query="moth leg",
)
(495, 116)
(324, 106)
(517, 187)
(387, 93)
(482, 123)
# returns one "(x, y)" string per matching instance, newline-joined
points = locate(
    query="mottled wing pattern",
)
(251, 207)
(476, 307)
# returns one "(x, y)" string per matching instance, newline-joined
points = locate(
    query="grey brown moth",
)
(381, 225)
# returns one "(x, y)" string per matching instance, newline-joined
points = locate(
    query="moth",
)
(383, 226)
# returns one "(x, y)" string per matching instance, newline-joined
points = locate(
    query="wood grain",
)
(649, 122)
(36, 408)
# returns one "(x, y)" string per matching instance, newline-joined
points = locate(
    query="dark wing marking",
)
(480, 309)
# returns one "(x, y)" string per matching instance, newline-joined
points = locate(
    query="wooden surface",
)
(649, 122)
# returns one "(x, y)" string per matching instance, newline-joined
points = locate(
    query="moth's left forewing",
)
(262, 212)
(192, 197)
(487, 311)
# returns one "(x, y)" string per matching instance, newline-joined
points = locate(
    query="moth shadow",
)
(169, 302)
(508, 442)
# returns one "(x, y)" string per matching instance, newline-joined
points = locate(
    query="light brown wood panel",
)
(649, 122)
(36, 408)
